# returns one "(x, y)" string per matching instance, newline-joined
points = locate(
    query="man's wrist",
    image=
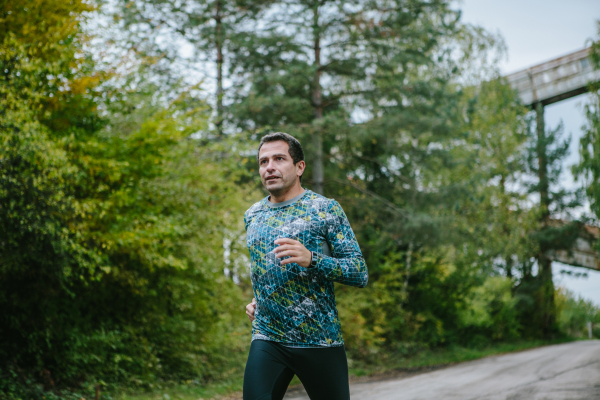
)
(314, 259)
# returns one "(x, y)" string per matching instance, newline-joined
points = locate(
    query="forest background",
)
(125, 172)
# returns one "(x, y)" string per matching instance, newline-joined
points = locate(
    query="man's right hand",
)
(250, 308)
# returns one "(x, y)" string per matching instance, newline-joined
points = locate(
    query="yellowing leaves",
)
(82, 84)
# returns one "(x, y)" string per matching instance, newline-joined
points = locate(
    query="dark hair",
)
(295, 148)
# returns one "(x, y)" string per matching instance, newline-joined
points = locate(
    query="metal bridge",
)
(550, 82)
(583, 253)
(555, 80)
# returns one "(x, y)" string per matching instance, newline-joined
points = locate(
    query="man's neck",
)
(290, 194)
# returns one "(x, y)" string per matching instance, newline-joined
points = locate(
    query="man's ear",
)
(300, 166)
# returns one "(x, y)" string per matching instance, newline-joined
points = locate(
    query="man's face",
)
(276, 167)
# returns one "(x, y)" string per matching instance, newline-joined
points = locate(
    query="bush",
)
(575, 313)
(489, 314)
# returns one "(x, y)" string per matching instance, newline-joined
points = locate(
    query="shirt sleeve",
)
(346, 264)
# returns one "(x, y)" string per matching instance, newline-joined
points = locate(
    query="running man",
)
(300, 243)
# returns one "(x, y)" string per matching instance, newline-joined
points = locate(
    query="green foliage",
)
(490, 314)
(545, 154)
(576, 313)
(122, 234)
(157, 29)
(493, 216)
(111, 233)
(588, 169)
(407, 308)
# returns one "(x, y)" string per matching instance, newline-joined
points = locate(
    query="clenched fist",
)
(250, 308)
(295, 250)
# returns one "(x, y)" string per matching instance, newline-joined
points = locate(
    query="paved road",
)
(560, 372)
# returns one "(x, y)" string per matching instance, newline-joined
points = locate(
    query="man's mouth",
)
(270, 178)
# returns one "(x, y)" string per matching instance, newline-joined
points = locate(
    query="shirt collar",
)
(285, 203)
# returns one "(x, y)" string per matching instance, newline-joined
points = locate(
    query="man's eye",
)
(279, 158)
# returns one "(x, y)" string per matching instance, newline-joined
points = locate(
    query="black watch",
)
(313, 259)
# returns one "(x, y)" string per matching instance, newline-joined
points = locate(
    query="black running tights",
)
(271, 366)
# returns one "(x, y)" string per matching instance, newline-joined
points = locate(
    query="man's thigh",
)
(323, 372)
(267, 375)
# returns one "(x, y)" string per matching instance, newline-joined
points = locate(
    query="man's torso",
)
(295, 305)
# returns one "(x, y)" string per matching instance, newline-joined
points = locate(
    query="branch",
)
(391, 205)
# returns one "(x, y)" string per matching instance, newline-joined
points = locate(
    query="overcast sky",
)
(536, 31)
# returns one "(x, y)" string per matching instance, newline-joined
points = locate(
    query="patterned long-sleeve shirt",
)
(296, 305)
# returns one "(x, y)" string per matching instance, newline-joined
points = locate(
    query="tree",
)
(160, 28)
(589, 146)
(319, 68)
(111, 222)
(495, 214)
(545, 155)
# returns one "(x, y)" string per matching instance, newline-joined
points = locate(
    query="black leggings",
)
(271, 367)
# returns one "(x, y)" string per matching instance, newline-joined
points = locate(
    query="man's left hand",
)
(295, 250)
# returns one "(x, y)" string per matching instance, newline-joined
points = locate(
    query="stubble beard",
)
(281, 188)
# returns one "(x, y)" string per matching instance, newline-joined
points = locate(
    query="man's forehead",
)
(271, 148)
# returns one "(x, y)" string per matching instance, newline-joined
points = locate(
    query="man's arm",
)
(250, 308)
(346, 264)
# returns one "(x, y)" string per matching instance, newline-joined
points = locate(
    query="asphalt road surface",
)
(560, 372)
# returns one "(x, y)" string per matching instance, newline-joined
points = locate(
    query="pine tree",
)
(556, 228)
(343, 73)
(588, 169)
(159, 29)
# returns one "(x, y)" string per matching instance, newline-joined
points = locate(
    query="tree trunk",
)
(505, 227)
(542, 164)
(548, 308)
(318, 175)
(219, 46)
(408, 264)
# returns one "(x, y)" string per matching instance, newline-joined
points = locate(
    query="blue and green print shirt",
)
(296, 305)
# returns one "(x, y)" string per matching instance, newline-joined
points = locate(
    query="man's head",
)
(280, 162)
